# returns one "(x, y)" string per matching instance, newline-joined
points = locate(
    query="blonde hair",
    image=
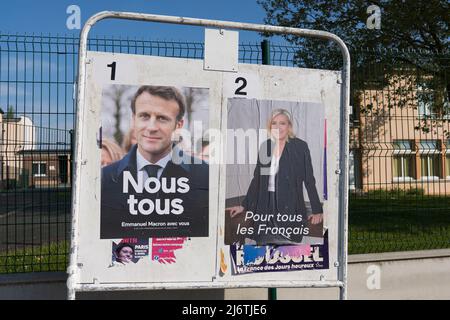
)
(287, 114)
(127, 140)
(113, 149)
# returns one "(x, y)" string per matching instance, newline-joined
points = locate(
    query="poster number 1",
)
(113, 70)
(242, 87)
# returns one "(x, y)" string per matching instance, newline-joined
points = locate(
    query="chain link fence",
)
(399, 160)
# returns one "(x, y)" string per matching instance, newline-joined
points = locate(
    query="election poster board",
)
(169, 199)
(269, 235)
(137, 225)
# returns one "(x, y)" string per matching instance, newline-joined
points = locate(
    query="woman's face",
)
(125, 254)
(279, 127)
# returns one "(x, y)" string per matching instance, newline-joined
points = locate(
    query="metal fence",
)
(399, 170)
(400, 151)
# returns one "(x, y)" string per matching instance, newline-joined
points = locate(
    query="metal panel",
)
(221, 50)
(94, 254)
(86, 110)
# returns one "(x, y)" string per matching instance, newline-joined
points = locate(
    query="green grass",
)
(398, 222)
(52, 257)
(378, 222)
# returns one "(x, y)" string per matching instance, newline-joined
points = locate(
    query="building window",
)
(39, 169)
(354, 169)
(446, 108)
(404, 167)
(447, 165)
(425, 102)
(431, 103)
(430, 167)
(404, 160)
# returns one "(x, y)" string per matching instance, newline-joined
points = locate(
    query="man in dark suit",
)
(156, 190)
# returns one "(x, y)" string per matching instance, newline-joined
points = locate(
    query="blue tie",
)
(152, 170)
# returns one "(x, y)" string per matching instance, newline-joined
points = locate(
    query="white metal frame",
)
(344, 148)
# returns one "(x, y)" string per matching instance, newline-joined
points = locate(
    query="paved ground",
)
(34, 217)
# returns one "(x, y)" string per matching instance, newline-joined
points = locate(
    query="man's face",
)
(155, 120)
(125, 254)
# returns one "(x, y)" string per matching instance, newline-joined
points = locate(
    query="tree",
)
(413, 34)
(116, 93)
(419, 24)
(10, 113)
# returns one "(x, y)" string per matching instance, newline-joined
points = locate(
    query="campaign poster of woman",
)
(276, 172)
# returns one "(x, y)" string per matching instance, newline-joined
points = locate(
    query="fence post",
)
(72, 148)
(265, 48)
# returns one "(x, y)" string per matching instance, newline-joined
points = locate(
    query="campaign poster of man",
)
(154, 175)
(276, 172)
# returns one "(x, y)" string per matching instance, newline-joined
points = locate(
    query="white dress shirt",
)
(274, 164)
(141, 162)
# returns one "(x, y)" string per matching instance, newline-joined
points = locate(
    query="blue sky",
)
(49, 16)
(46, 105)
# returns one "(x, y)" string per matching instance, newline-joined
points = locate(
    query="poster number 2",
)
(113, 70)
(243, 82)
(243, 85)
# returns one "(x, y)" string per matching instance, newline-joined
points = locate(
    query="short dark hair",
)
(123, 245)
(167, 93)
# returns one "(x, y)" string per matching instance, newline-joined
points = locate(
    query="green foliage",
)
(384, 222)
(10, 113)
(405, 25)
(394, 193)
(52, 257)
(409, 50)
(415, 192)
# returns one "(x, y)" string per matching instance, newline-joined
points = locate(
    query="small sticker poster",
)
(163, 249)
(128, 251)
(251, 259)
